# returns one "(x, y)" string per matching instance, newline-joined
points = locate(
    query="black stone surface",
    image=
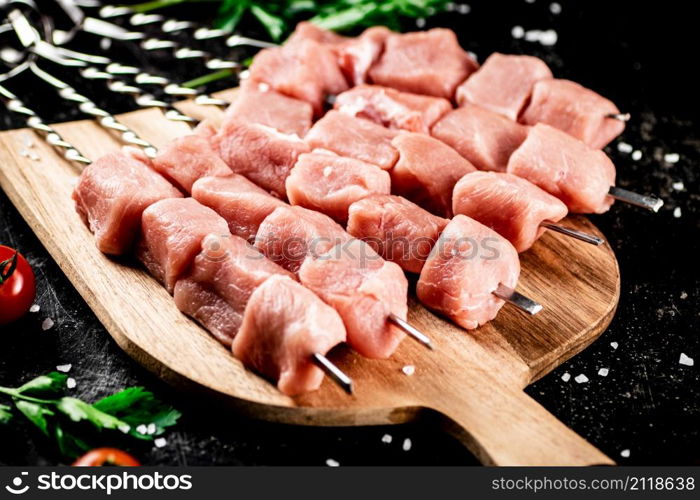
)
(643, 57)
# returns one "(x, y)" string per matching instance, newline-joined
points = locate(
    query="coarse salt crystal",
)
(581, 379)
(124, 428)
(529, 1)
(406, 444)
(160, 442)
(464, 8)
(420, 22)
(555, 8)
(623, 147)
(35, 308)
(603, 372)
(545, 37)
(677, 212)
(332, 463)
(142, 429)
(105, 44)
(637, 155)
(684, 295)
(672, 157)
(517, 32)
(386, 438)
(566, 377)
(64, 368)
(71, 383)
(151, 429)
(686, 360)
(625, 453)
(614, 345)
(678, 186)
(409, 370)
(47, 324)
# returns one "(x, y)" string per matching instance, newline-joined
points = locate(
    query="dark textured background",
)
(642, 56)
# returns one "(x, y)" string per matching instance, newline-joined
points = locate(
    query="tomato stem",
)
(5, 271)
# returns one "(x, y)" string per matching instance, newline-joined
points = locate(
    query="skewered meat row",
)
(432, 63)
(212, 273)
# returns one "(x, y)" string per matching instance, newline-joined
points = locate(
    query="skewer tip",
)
(525, 304)
(623, 117)
(336, 374)
(649, 202)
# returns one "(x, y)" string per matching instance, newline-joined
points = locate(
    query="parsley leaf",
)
(48, 385)
(5, 414)
(136, 406)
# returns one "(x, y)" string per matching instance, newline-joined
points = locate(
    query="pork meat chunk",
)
(216, 289)
(329, 183)
(508, 204)
(464, 269)
(397, 229)
(111, 195)
(565, 167)
(364, 289)
(427, 171)
(284, 324)
(484, 138)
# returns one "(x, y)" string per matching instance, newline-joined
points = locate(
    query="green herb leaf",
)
(78, 410)
(45, 386)
(230, 14)
(136, 406)
(275, 25)
(5, 414)
(344, 19)
(69, 444)
(36, 414)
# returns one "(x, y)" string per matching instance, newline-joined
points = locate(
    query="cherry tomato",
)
(106, 456)
(17, 286)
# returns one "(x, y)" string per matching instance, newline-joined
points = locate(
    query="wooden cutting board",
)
(473, 382)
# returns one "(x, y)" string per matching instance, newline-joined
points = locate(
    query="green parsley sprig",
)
(74, 423)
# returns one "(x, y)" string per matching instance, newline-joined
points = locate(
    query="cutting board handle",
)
(504, 426)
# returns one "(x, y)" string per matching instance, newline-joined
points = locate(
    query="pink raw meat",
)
(484, 138)
(357, 55)
(576, 110)
(427, 171)
(303, 69)
(284, 324)
(290, 234)
(260, 153)
(172, 232)
(510, 205)
(354, 138)
(426, 62)
(257, 103)
(504, 83)
(565, 167)
(393, 109)
(329, 183)
(397, 229)
(464, 269)
(364, 289)
(241, 203)
(224, 274)
(112, 193)
(186, 159)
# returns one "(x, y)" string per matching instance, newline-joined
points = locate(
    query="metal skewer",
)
(332, 370)
(649, 202)
(579, 235)
(523, 303)
(411, 331)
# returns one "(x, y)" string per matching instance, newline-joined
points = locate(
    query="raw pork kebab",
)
(346, 168)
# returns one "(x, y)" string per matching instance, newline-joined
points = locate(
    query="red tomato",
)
(17, 287)
(106, 456)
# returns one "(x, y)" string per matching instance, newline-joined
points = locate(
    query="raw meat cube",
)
(508, 204)
(186, 159)
(391, 108)
(284, 324)
(357, 55)
(463, 270)
(576, 110)
(397, 229)
(565, 167)
(171, 236)
(303, 69)
(484, 138)
(111, 194)
(364, 289)
(504, 83)
(354, 138)
(427, 62)
(257, 103)
(426, 171)
(260, 153)
(241, 203)
(290, 234)
(216, 290)
(329, 183)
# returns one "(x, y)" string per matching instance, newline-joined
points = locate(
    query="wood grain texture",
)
(472, 383)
